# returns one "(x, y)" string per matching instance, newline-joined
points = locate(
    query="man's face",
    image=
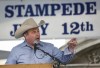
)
(32, 35)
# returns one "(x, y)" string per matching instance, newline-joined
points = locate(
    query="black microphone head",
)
(35, 43)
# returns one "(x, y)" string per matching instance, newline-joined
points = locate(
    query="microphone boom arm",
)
(58, 65)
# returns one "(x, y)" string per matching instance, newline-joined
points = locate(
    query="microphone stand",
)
(58, 65)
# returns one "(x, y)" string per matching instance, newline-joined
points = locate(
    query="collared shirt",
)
(24, 54)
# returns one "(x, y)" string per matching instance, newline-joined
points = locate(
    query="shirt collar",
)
(26, 44)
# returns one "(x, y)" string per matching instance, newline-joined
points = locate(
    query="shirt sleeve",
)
(66, 51)
(11, 58)
(63, 56)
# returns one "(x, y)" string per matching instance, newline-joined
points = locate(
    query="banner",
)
(64, 18)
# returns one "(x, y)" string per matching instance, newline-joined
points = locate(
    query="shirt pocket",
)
(43, 57)
(40, 55)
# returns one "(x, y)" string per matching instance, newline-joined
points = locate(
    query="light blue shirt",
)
(24, 54)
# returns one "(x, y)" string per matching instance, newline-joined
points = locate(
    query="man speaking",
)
(34, 51)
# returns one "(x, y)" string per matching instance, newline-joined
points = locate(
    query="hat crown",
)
(30, 22)
(27, 24)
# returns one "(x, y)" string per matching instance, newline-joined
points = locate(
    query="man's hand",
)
(72, 44)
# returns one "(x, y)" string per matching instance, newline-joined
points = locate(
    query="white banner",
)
(64, 18)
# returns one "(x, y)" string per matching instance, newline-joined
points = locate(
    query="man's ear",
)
(25, 34)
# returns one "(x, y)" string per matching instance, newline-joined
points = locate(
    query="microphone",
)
(35, 45)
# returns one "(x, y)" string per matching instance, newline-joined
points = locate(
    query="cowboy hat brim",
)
(28, 24)
(21, 30)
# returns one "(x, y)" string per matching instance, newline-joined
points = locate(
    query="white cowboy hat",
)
(27, 24)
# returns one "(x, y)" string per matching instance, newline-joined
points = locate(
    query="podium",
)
(27, 66)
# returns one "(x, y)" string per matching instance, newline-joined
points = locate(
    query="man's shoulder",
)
(18, 46)
(48, 44)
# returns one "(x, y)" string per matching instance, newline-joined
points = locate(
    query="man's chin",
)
(38, 40)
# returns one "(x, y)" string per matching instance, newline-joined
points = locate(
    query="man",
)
(34, 51)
